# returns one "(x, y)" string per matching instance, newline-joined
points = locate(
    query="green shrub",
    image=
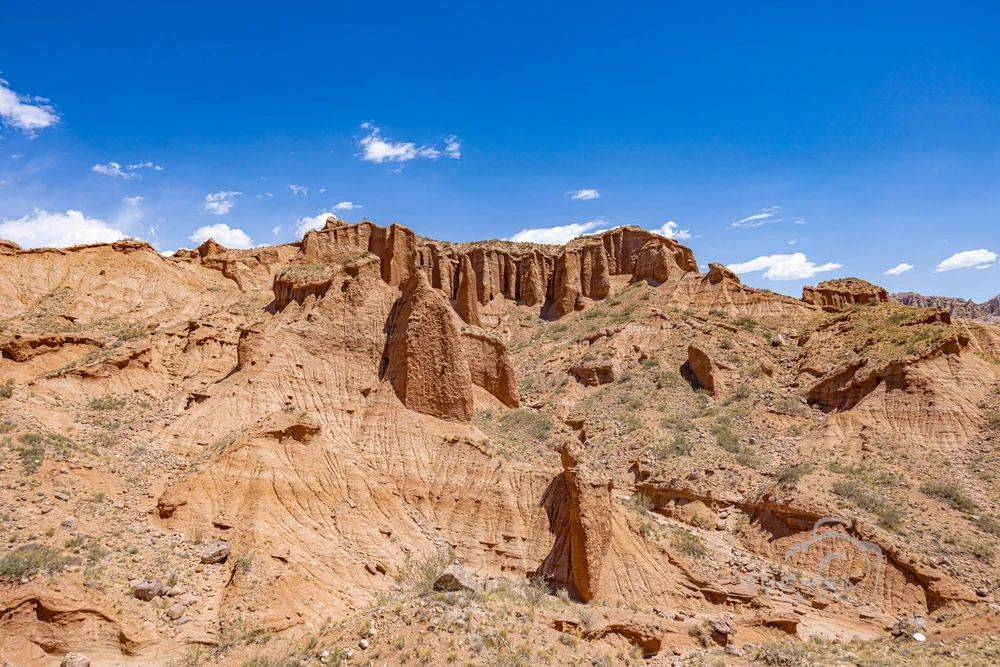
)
(28, 560)
(951, 493)
(688, 543)
(726, 438)
(7, 389)
(531, 422)
(792, 474)
(107, 403)
(889, 516)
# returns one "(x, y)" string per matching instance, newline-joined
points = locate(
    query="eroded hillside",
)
(272, 456)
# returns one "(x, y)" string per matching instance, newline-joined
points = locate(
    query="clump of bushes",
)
(951, 493)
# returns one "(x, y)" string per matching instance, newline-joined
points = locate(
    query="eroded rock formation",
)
(834, 295)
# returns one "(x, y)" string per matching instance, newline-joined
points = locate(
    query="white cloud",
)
(375, 148)
(759, 218)
(231, 237)
(585, 194)
(116, 170)
(783, 267)
(42, 229)
(131, 212)
(453, 147)
(220, 202)
(298, 189)
(25, 113)
(980, 259)
(265, 194)
(557, 234)
(303, 225)
(902, 267)
(347, 206)
(276, 230)
(671, 230)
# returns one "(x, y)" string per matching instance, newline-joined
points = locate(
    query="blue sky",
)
(864, 137)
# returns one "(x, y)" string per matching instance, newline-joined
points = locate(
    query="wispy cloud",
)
(131, 212)
(795, 266)
(25, 112)
(761, 217)
(672, 230)
(116, 170)
(57, 230)
(298, 189)
(231, 237)
(376, 148)
(347, 206)
(585, 194)
(979, 259)
(452, 147)
(557, 234)
(902, 267)
(221, 202)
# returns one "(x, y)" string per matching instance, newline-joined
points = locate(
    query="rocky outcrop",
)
(840, 294)
(845, 385)
(24, 347)
(471, 277)
(718, 273)
(703, 369)
(590, 517)
(585, 266)
(988, 311)
(466, 302)
(425, 359)
(297, 282)
(594, 372)
(8, 247)
(489, 365)
(209, 247)
(653, 264)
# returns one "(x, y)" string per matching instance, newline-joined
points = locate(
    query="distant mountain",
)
(988, 310)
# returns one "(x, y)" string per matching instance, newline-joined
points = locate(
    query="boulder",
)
(147, 590)
(75, 660)
(176, 610)
(216, 551)
(704, 370)
(456, 578)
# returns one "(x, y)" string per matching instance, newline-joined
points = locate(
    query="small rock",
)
(982, 592)
(62, 495)
(723, 626)
(176, 611)
(456, 578)
(363, 644)
(147, 590)
(216, 551)
(75, 660)
(69, 523)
